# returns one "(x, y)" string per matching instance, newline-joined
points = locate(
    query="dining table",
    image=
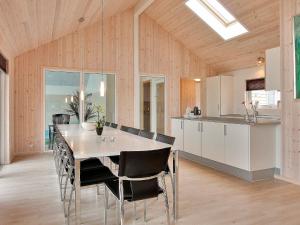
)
(86, 144)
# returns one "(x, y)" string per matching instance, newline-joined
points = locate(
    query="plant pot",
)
(99, 130)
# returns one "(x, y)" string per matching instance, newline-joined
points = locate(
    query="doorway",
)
(152, 105)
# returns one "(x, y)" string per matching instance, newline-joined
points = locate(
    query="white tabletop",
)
(85, 144)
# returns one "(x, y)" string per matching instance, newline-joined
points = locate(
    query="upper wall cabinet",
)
(219, 95)
(273, 69)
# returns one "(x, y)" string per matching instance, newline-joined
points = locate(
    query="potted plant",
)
(100, 119)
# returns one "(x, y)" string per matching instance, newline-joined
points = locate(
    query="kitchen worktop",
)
(260, 121)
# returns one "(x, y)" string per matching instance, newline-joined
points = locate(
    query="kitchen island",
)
(231, 145)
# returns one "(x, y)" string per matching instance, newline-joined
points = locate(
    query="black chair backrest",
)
(124, 128)
(61, 118)
(107, 124)
(113, 125)
(146, 134)
(133, 130)
(165, 139)
(142, 164)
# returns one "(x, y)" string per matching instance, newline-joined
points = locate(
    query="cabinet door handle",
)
(181, 124)
(225, 130)
(199, 127)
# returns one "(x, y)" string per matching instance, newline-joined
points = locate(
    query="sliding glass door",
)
(76, 93)
(99, 89)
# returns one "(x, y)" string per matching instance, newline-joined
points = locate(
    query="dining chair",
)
(170, 141)
(56, 119)
(138, 176)
(89, 177)
(124, 128)
(61, 163)
(107, 124)
(133, 130)
(115, 159)
(113, 125)
(165, 139)
(146, 134)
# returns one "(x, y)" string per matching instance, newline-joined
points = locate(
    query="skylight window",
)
(217, 17)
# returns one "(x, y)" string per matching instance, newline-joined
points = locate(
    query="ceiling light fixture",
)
(260, 61)
(217, 17)
(81, 20)
(197, 79)
(102, 84)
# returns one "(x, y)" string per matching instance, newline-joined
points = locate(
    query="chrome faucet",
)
(247, 114)
(254, 110)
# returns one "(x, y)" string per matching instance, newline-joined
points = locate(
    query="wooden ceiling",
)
(26, 24)
(261, 17)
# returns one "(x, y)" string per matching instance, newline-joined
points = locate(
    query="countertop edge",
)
(228, 120)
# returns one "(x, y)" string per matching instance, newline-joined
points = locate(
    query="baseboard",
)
(286, 179)
(250, 176)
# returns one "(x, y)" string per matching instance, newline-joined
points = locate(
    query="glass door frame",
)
(81, 91)
(153, 76)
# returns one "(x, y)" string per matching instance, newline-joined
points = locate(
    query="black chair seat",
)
(141, 189)
(115, 159)
(94, 176)
(90, 163)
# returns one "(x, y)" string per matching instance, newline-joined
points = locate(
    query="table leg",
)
(77, 192)
(175, 185)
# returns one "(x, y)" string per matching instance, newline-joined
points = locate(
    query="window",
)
(75, 93)
(217, 17)
(265, 99)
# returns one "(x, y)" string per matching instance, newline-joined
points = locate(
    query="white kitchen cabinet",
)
(213, 141)
(213, 93)
(192, 137)
(273, 69)
(177, 132)
(226, 98)
(219, 95)
(237, 145)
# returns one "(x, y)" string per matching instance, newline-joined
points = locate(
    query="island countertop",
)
(260, 121)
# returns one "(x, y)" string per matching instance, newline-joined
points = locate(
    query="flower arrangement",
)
(100, 122)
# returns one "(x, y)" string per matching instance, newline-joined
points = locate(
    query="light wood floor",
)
(29, 195)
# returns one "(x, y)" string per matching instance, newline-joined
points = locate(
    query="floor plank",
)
(29, 195)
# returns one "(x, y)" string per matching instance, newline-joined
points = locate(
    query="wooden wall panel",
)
(69, 52)
(290, 106)
(161, 54)
(187, 94)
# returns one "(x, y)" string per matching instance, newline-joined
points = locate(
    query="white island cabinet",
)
(192, 137)
(237, 145)
(213, 141)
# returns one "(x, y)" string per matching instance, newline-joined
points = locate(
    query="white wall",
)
(239, 87)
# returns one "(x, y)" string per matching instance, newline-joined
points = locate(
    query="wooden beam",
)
(141, 6)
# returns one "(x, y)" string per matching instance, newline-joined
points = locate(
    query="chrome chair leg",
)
(105, 204)
(121, 202)
(166, 199)
(145, 211)
(65, 190)
(98, 190)
(69, 206)
(134, 208)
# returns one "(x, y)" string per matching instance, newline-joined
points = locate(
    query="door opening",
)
(152, 104)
